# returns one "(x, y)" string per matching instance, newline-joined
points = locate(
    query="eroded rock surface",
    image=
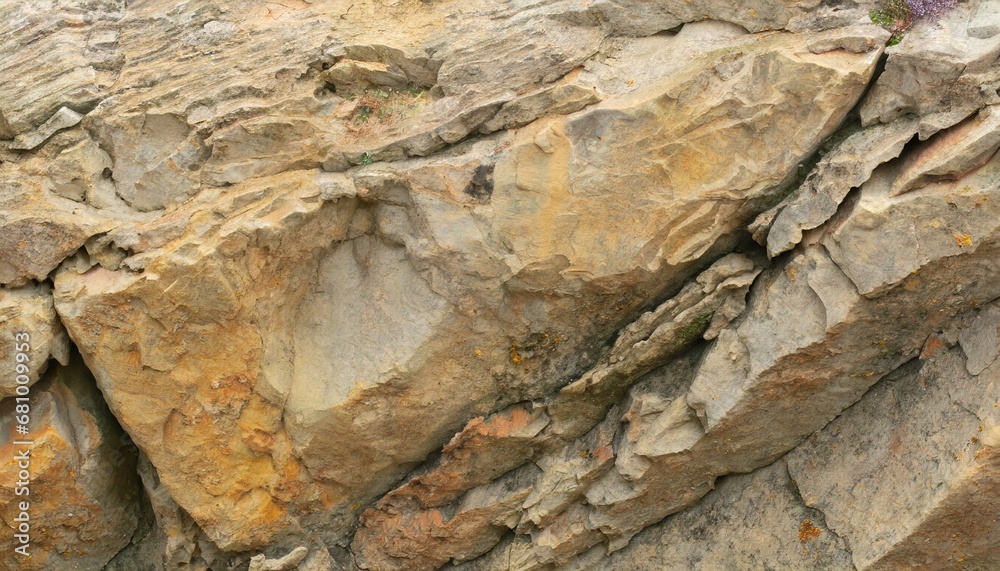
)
(401, 298)
(82, 489)
(906, 474)
(418, 285)
(750, 521)
(34, 330)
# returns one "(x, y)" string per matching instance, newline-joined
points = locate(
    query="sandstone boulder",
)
(83, 490)
(305, 311)
(28, 312)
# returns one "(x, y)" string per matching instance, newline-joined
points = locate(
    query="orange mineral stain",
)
(808, 531)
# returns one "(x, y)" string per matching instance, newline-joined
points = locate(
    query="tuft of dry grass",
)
(378, 108)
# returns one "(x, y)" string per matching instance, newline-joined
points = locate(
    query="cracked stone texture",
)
(83, 490)
(750, 521)
(410, 285)
(959, 150)
(428, 521)
(66, 56)
(909, 474)
(846, 166)
(941, 72)
(29, 310)
(404, 297)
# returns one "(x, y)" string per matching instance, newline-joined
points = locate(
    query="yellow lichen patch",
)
(808, 531)
(963, 240)
(515, 357)
(530, 347)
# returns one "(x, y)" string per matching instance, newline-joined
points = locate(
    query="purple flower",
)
(929, 8)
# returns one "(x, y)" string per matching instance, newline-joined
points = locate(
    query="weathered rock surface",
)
(29, 311)
(956, 152)
(444, 285)
(428, 521)
(65, 61)
(941, 72)
(55, 203)
(845, 167)
(907, 476)
(82, 490)
(751, 521)
(417, 285)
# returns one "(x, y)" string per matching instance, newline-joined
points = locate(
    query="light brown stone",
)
(83, 491)
(908, 475)
(750, 521)
(403, 285)
(31, 327)
(374, 281)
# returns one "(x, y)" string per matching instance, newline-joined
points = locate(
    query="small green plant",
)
(366, 159)
(897, 16)
(386, 104)
(364, 112)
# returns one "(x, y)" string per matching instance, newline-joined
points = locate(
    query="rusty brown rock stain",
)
(808, 531)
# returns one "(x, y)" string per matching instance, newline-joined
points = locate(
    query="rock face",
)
(917, 488)
(82, 490)
(750, 521)
(29, 311)
(410, 285)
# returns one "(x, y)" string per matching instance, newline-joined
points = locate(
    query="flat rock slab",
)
(750, 521)
(908, 475)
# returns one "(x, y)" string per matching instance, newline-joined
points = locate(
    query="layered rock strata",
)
(537, 285)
